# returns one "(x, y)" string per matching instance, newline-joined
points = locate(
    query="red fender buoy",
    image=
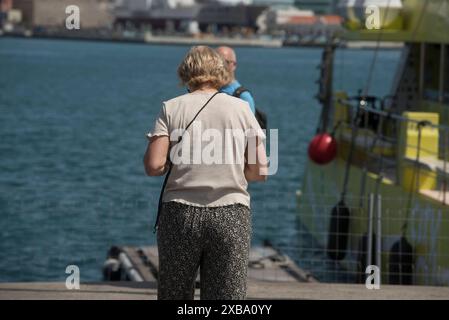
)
(323, 148)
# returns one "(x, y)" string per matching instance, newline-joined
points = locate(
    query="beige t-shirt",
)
(208, 164)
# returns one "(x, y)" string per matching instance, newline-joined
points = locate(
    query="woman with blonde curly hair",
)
(205, 217)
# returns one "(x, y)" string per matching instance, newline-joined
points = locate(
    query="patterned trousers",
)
(216, 240)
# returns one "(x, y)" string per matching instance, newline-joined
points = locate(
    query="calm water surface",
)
(72, 121)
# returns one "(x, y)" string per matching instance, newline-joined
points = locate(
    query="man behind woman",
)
(234, 88)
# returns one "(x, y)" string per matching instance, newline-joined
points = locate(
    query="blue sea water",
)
(73, 116)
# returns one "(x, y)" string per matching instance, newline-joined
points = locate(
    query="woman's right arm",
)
(155, 158)
(256, 169)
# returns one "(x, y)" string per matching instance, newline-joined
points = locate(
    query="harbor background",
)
(73, 119)
(237, 22)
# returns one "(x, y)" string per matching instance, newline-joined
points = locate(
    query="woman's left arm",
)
(155, 159)
(258, 170)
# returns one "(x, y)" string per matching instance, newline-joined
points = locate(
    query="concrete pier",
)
(256, 290)
(271, 275)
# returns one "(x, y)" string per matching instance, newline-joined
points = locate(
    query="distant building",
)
(287, 21)
(205, 17)
(126, 6)
(324, 26)
(179, 3)
(220, 17)
(8, 16)
(51, 13)
(131, 6)
(276, 18)
(5, 5)
(319, 7)
(234, 2)
(162, 19)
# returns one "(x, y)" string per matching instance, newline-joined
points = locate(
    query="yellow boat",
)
(384, 199)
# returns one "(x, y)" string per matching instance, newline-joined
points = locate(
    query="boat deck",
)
(265, 263)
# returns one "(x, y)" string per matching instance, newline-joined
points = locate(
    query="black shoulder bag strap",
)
(261, 117)
(159, 207)
(238, 92)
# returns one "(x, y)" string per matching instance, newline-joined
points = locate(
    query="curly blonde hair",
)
(203, 66)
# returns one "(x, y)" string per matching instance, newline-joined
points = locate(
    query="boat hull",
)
(422, 221)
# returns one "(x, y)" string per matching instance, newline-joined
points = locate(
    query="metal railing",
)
(407, 238)
(390, 151)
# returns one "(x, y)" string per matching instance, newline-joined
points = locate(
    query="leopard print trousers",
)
(214, 239)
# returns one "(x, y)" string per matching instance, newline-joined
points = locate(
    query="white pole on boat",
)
(445, 135)
(369, 250)
(379, 232)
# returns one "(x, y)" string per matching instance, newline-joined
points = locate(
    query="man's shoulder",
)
(243, 93)
(231, 87)
(242, 89)
(246, 94)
